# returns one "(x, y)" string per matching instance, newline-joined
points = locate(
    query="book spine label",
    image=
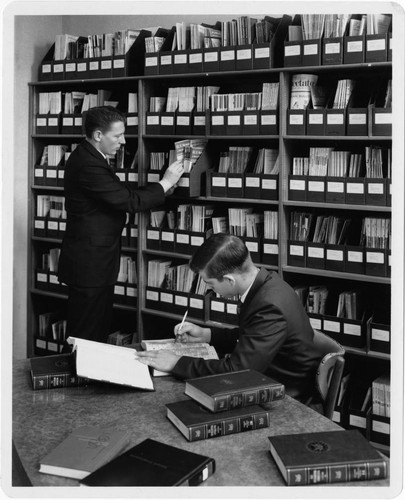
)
(227, 426)
(247, 398)
(300, 476)
(54, 381)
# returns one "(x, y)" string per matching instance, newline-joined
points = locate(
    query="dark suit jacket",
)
(96, 204)
(274, 337)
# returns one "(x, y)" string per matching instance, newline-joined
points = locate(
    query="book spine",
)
(225, 426)
(251, 397)
(54, 381)
(365, 471)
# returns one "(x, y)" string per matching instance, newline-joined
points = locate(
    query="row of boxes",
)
(129, 236)
(339, 50)
(175, 302)
(354, 333)
(125, 293)
(231, 58)
(44, 175)
(128, 176)
(263, 251)
(48, 281)
(260, 122)
(350, 190)
(49, 227)
(72, 124)
(128, 64)
(45, 346)
(340, 258)
(364, 122)
(376, 428)
(253, 186)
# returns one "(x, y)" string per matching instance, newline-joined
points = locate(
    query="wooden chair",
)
(329, 372)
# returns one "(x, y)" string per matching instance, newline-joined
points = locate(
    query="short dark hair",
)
(101, 118)
(221, 254)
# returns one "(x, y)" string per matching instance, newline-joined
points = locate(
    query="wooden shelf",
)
(338, 206)
(336, 274)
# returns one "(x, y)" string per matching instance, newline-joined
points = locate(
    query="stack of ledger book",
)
(99, 456)
(226, 403)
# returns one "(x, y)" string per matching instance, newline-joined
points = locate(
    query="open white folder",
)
(110, 363)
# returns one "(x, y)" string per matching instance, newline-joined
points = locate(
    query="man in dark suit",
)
(274, 335)
(97, 203)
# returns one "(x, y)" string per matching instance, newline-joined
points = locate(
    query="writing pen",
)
(181, 325)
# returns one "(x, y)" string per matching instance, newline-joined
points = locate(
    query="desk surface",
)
(42, 419)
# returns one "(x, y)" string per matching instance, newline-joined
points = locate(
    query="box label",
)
(268, 119)
(297, 119)
(39, 224)
(357, 118)
(196, 58)
(244, 54)
(227, 55)
(106, 64)
(132, 121)
(270, 248)
(52, 122)
(93, 65)
(252, 246)
(381, 427)
(151, 61)
(152, 120)
(183, 238)
(167, 236)
(262, 53)
(331, 326)
(119, 63)
(184, 182)
(50, 173)
(375, 257)
(336, 255)
(70, 67)
(39, 172)
(292, 50)
(196, 303)
(235, 182)
(46, 68)
(152, 295)
(336, 187)
(252, 182)
(183, 120)
(383, 118)
(269, 184)
(167, 121)
(231, 308)
(166, 297)
(165, 60)
(219, 181)
(119, 290)
(58, 68)
(180, 300)
(218, 120)
(250, 120)
(81, 67)
(357, 421)
(315, 119)
(53, 225)
(355, 46)
(335, 119)
(297, 185)
(332, 48)
(375, 188)
(310, 49)
(350, 329)
(316, 323)
(233, 120)
(316, 252)
(353, 256)
(297, 250)
(318, 186)
(378, 334)
(41, 122)
(199, 121)
(210, 56)
(152, 235)
(197, 241)
(180, 59)
(217, 306)
(355, 188)
(67, 122)
(373, 45)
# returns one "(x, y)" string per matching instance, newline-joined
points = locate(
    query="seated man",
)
(274, 335)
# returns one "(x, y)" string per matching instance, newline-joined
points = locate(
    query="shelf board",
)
(339, 138)
(338, 206)
(47, 188)
(46, 240)
(87, 81)
(336, 274)
(164, 253)
(369, 354)
(208, 323)
(73, 136)
(338, 67)
(124, 307)
(47, 293)
(237, 200)
(128, 249)
(210, 137)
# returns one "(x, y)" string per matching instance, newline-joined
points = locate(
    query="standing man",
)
(274, 335)
(96, 204)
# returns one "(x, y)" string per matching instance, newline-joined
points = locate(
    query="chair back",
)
(330, 370)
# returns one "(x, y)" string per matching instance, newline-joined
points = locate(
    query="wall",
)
(33, 36)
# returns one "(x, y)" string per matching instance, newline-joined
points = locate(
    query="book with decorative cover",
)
(196, 422)
(326, 457)
(225, 391)
(50, 372)
(152, 463)
(84, 451)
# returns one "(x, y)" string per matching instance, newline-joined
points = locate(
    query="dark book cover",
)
(326, 457)
(196, 422)
(59, 370)
(226, 391)
(153, 463)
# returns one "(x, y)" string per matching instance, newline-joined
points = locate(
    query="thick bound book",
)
(110, 363)
(84, 451)
(195, 350)
(196, 422)
(326, 457)
(59, 370)
(226, 391)
(152, 463)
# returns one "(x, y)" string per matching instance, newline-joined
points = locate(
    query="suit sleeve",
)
(104, 186)
(259, 341)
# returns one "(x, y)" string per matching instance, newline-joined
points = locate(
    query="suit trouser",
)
(89, 312)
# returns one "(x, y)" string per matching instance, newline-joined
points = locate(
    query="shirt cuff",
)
(165, 184)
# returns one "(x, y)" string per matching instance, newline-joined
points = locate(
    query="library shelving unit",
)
(152, 313)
